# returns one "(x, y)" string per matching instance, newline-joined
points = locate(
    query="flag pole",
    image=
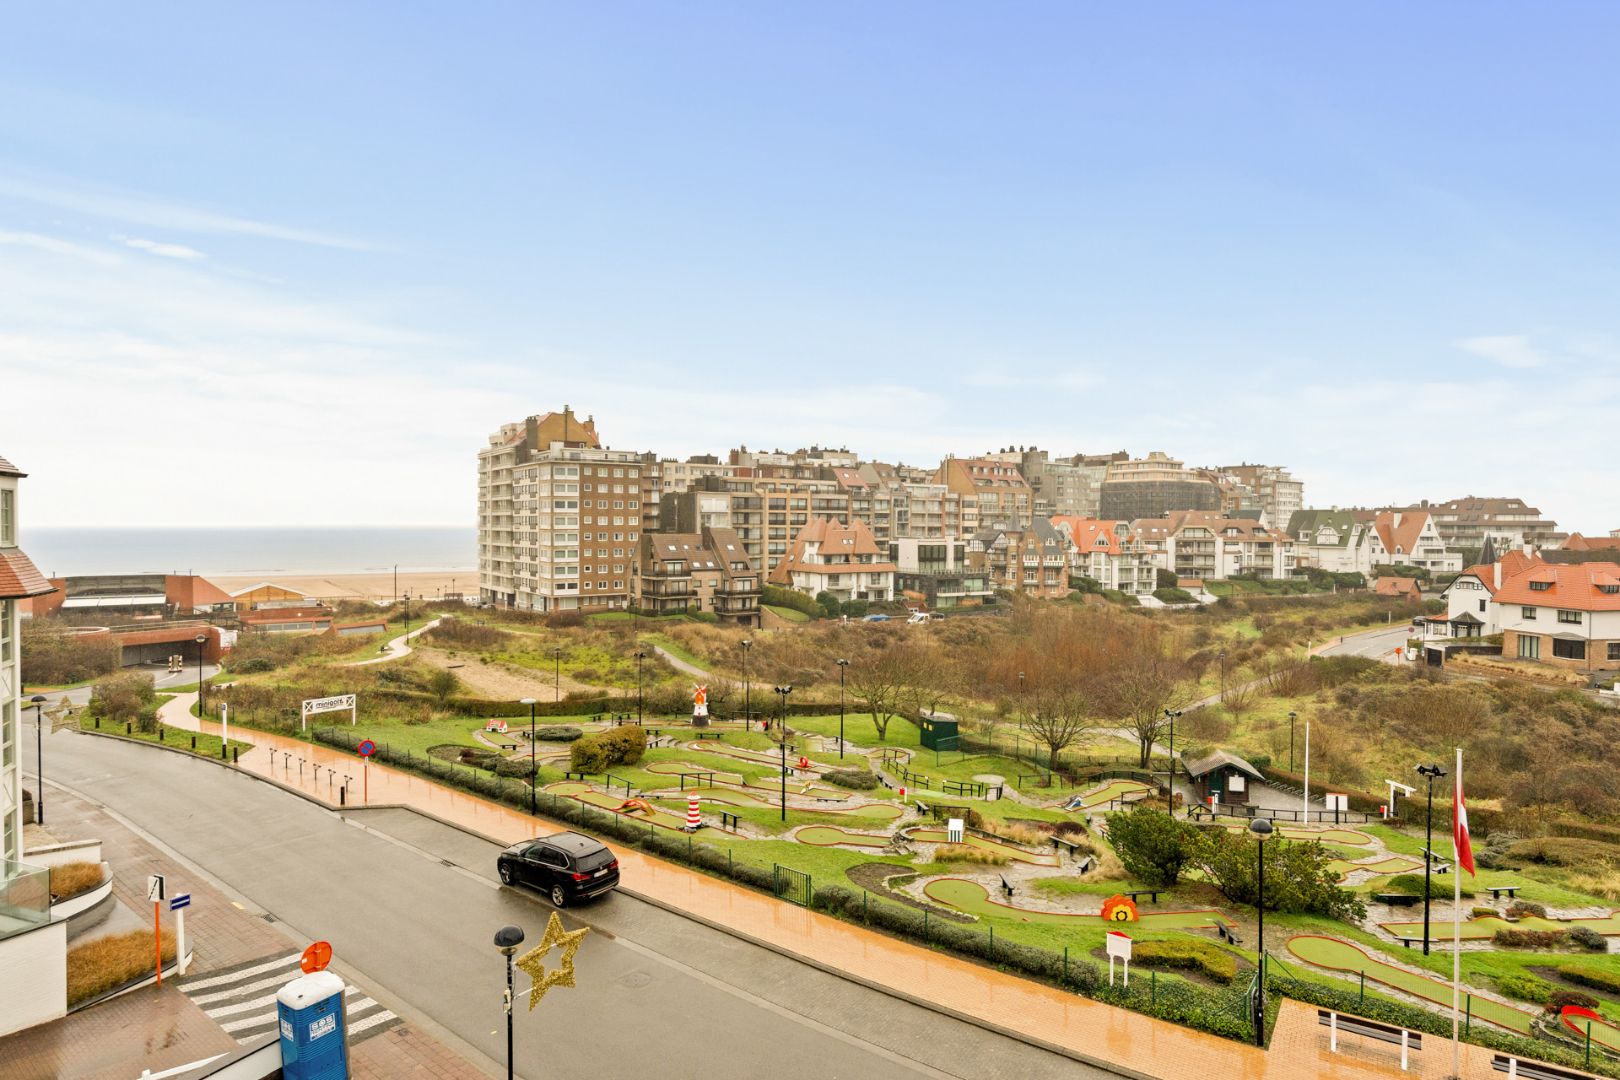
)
(1456, 920)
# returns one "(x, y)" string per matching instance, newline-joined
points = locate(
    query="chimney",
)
(1496, 574)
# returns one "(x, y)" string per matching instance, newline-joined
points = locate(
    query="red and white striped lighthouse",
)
(694, 820)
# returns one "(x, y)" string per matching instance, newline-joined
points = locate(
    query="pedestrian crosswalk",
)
(242, 1000)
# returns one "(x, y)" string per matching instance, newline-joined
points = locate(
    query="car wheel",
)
(558, 897)
(506, 874)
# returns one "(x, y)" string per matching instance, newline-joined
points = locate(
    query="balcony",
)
(25, 897)
(655, 587)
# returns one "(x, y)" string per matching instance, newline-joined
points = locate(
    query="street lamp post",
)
(1261, 827)
(1292, 716)
(202, 691)
(1223, 676)
(1431, 773)
(748, 713)
(640, 656)
(843, 665)
(534, 770)
(507, 939)
(781, 738)
(1170, 770)
(1021, 701)
(556, 669)
(38, 702)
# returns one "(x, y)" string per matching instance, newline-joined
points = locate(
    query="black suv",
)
(565, 866)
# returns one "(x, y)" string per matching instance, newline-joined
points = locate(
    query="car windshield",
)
(593, 860)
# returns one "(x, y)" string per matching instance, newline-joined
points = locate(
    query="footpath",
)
(1125, 1042)
(226, 997)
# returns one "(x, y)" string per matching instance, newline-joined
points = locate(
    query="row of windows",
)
(1530, 649)
(1529, 614)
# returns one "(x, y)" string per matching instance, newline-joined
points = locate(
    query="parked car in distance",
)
(876, 618)
(566, 866)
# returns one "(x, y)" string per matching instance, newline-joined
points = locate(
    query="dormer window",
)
(1610, 589)
(1540, 586)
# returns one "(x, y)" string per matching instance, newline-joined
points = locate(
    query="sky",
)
(292, 264)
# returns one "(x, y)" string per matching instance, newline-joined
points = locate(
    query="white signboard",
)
(1338, 802)
(1234, 783)
(313, 706)
(1119, 947)
(954, 830)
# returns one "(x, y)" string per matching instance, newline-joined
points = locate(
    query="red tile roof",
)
(8, 469)
(1090, 534)
(1399, 532)
(19, 578)
(1575, 587)
(1577, 542)
(1395, 586)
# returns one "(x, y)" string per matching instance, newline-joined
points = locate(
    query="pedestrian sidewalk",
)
(1128, 1042)
(187, 1019)
(398, 647)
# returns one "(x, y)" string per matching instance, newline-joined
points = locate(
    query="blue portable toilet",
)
(314, 1034)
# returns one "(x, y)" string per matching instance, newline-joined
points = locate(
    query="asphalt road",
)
(410, 907)
(1378, 646)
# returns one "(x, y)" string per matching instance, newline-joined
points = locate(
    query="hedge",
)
(1414, 1018)
(1596, 978)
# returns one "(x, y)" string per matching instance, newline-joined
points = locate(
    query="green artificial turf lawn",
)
(1342, 956)
(1486, 926)
(973, 898)
(828, 835)
(1327, 836)
(1110, 791)
(1394, 864)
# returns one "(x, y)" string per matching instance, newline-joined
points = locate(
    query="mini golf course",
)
(829, 836)
(1486, 926)
(1018, 854)
(1581, 1021)
(973, 898)
(1329, 835)
(796, 786)
(1394, 864)
(1336, 955)
(573, 789)
(873, 812)
(1114, 789)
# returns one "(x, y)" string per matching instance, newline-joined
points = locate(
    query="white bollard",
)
(1333, 1032)
(1403, 1050)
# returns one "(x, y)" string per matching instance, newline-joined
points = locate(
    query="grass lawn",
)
(179, 738)
(827, 835)
(858, 728)
(51, 689)
(674, 648)
(787, 613)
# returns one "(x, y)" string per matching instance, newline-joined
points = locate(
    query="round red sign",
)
(367, 748)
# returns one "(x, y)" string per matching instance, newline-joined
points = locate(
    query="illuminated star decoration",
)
(533, 962)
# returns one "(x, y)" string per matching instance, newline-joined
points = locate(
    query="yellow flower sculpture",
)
(533, 961)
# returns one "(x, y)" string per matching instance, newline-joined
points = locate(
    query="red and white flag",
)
(1459, 827)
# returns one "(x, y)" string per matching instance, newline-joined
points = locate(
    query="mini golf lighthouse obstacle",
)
(694, 819)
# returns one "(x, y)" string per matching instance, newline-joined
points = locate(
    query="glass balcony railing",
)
(25, 897)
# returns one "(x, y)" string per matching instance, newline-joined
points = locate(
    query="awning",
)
(150, 600)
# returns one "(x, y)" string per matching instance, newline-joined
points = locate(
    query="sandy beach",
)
(429, 584)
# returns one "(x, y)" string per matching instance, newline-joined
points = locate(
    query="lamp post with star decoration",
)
(533, 964)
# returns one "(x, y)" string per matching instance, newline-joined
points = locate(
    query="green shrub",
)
(1193, 954)
(1482, 912)
(1153, 846)
(254, 665)
(1440, 886)
(1530, 939)
(856, 779)
(558, 733)
(1589, 939)
(1559, 998)
(1173, 596)
(1565, 851)
(600, 752)
(55, 656)
(517, 767)
(1596, 978)
(1519, 909)
(1524, 987)
(777, 596)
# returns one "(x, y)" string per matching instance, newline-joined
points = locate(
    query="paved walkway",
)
(397, 647)
(1128, 1042)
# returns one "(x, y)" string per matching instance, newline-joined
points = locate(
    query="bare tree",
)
(1138, 681)
(879, 679)
(1058, 717)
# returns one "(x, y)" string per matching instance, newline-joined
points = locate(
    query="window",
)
(1569, 616)
(1569, 650)
(1528, 614)
(1482, 607)
(1614, 650)
(1540, 586)
(8, 517)
(1529, 648)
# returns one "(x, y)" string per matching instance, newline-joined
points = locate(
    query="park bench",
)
(1336, 1022)
(1006, 886)
(922, 807)
(728, 820)
(576, 776)
(1396, 899)
(1060, 842)
(1086, 864)
(1533, 1070)
(508, 744)
(1228, 935)
(1497, 891)
(1152, 894)
(707, 734)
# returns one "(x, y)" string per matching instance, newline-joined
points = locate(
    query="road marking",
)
(236, 1001)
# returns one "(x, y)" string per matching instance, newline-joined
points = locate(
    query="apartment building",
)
(1409, 538)
(1199, 544)
(1561, 614)
(936, 572)
(560, 517)
(1032, 560)
(1001, 496)
(1153, 487)
(1331, 540)
(1272, 489)
(703, 571)
(1068, 486)
(19, 581)
(791, 503)
(840, 558)
(1465, 524)
(719, 502)
(1108, 553)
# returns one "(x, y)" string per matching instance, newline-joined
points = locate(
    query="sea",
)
(60, 552)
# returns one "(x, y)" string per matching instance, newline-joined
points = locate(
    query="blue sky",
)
(324, 250)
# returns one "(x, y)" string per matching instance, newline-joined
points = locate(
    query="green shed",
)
(938, 731)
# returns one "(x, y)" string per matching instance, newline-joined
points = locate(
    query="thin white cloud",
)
(1078, 379)
(162, 215)
(56, 246)
(167, 251)
(1508, 350)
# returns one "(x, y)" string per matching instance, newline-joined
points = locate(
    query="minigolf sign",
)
(1119, 947)
(1119, 909)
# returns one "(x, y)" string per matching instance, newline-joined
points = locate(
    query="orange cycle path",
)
(1128, 1043)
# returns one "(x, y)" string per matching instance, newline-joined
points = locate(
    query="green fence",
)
(792, 885)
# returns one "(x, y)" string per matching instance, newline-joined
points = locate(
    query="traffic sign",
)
(316, 957)
(367, 748)
(179, 900)
(154, 887)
